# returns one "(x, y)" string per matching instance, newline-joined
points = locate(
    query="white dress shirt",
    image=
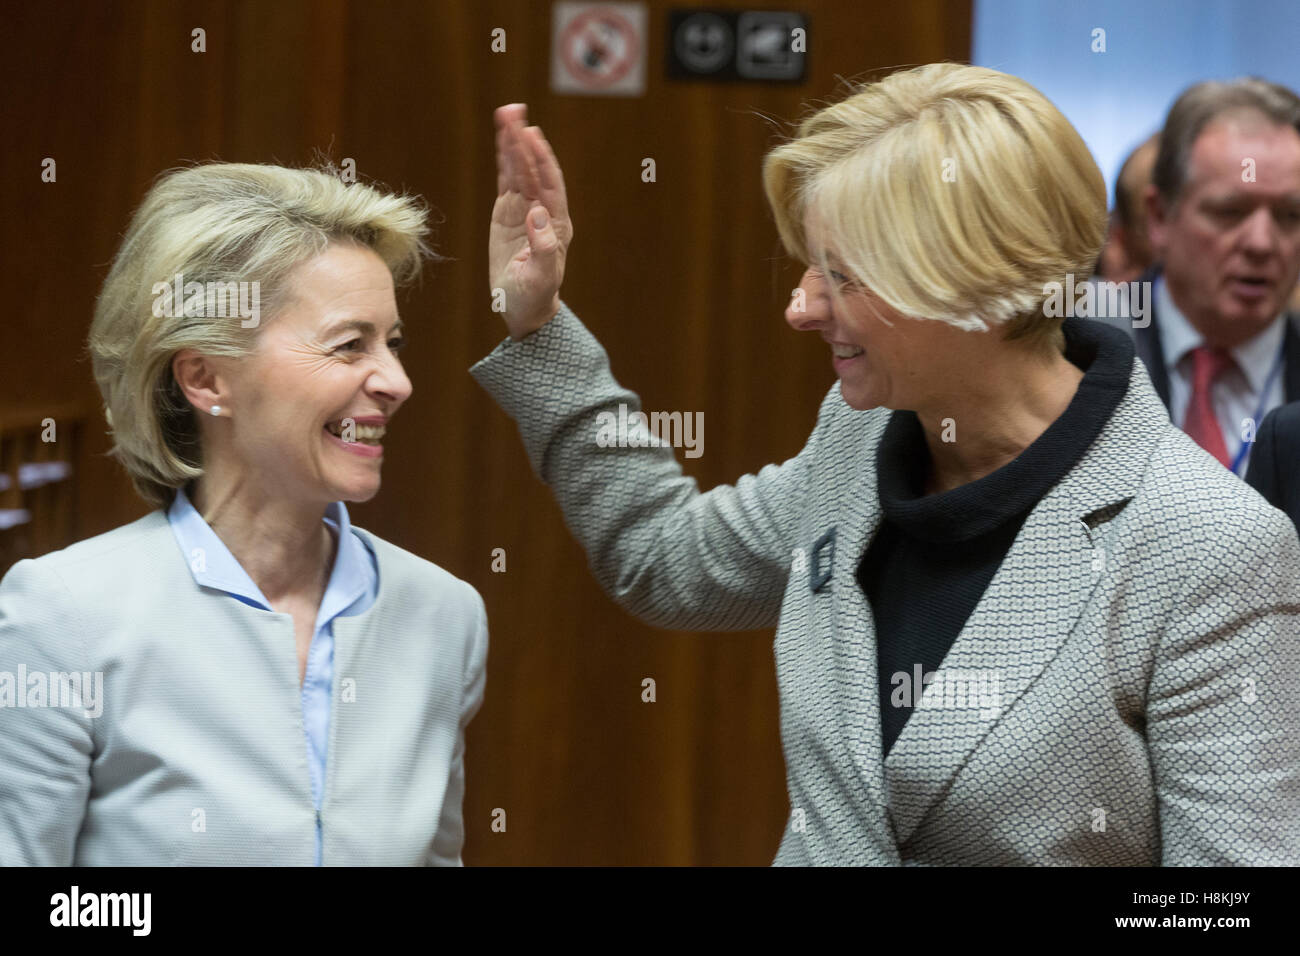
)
(1236, 394)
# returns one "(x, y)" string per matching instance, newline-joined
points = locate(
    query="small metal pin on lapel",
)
(820, 571)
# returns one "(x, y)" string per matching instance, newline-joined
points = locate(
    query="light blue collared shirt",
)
(352, 588)
(1237, 393)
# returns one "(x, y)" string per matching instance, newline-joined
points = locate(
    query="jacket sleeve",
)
(667, 553)
(45, 750)
(450, 838)
(1223, 714)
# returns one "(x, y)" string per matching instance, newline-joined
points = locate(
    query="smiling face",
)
(882, 358)
(330, 355)
(1231, 246)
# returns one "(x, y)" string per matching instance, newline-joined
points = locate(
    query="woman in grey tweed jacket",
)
(1021, 618)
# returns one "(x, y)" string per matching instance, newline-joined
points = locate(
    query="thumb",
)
(541, 235)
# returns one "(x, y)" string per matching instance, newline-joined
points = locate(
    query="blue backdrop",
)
(1153, 50)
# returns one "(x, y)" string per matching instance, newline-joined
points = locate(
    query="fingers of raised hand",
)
(550, 178)
(507, 162)
(516, 165)
(509, 120)
(522, 155)
(511, 210)
(525, 161)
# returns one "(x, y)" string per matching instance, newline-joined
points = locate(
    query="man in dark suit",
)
(1224, 221)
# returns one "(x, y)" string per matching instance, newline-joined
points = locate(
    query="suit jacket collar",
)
(1150, 347)
(1291, 359)
(1016, 629)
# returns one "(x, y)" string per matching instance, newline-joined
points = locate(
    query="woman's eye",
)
(839, 277)
(358, 345)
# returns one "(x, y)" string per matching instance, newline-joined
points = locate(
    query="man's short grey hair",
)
(1197, 106)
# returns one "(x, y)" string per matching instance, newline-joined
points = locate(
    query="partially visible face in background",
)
(1231, 242)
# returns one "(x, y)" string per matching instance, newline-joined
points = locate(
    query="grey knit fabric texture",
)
(1137, 655)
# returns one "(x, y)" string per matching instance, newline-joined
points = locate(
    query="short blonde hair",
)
(951, 192)
(220, 222)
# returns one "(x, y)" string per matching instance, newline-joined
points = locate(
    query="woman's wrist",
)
(521, 330)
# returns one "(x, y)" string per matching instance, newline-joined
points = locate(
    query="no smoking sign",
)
(598, 48)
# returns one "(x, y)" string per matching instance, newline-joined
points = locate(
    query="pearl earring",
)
(216, 409)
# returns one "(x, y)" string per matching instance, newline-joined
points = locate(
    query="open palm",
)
(525, 258)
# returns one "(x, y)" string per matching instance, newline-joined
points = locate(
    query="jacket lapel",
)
(1028, 611)
(1291, 349)
(1147, 341)
(855, 634)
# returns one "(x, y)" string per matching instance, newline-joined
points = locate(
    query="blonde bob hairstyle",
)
(220, 222)
(950, 192)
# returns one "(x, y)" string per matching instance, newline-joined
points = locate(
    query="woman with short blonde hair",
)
(265, 683)
(955, 192)
(1017, 610)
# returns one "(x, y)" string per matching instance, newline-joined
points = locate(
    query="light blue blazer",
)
(146, 720)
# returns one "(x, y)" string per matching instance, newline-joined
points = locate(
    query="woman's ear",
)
(197, 377)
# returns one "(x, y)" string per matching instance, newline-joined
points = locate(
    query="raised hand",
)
(531, 230)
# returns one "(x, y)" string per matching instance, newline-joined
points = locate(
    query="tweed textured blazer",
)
(1145, 627)
(195, 751)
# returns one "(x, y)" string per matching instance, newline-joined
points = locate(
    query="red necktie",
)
(1200, 421)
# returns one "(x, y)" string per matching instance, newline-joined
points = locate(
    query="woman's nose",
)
(391, 380)
(807, 308)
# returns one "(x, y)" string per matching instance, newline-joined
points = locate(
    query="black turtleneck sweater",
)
(933, 556)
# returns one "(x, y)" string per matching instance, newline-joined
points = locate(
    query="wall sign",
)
(598, 48)
(754, 45)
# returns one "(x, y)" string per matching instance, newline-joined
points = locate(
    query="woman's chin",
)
(356, 491)
(859, 396)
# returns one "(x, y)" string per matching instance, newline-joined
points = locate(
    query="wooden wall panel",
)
(683, 280)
